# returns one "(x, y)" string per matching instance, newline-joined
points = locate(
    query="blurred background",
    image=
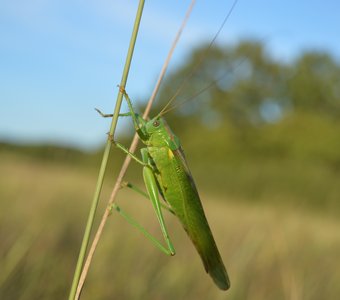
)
(262, 143)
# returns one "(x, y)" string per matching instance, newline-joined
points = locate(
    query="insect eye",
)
(156, 123)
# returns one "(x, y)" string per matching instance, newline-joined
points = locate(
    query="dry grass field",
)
(270, 252)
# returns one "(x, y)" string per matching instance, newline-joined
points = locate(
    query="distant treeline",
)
(256, 105)
(47, 152)
(252, 127)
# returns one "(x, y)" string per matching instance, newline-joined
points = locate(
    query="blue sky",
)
(60, 59)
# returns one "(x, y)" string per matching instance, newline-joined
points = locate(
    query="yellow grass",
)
(270, 252)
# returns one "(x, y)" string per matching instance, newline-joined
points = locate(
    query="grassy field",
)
(270, 251)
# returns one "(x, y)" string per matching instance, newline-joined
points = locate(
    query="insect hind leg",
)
(144, 194)
(134, 223)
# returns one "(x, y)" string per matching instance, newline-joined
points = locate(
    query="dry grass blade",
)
(128, 159)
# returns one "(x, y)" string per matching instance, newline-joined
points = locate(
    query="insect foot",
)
(110, 208)
(124, 184)
(102, 114)
(110, 138)
(122, 89)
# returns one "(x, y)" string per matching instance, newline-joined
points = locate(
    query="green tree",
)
(230, 84)
(315, 85)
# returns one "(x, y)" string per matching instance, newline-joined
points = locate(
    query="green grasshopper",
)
(166, 173)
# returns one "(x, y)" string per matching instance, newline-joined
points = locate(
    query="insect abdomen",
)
(179, 190)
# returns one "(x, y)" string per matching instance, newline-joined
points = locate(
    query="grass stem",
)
(102, 170)
(127, 160)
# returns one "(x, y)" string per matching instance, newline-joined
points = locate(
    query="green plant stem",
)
(126, 162)
(102, 170)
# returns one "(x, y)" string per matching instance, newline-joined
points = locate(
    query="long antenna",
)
(166, 63)
(229, 71)
(208, 86)
(201, 59)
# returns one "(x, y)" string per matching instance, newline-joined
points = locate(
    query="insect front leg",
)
(138, 121)
(128, 114)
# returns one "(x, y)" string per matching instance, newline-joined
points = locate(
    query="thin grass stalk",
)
(127, 160)
(107, 149)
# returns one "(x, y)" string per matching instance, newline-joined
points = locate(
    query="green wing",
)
(196, 225)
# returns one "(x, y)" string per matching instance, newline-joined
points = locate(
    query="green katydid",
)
(166, 173)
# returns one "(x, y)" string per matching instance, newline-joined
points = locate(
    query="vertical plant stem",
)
(127, 160)
(100, 180)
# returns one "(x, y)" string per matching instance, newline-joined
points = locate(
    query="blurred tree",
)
(315, 85)
(244, 85)
(247, 104)
(241, 85)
